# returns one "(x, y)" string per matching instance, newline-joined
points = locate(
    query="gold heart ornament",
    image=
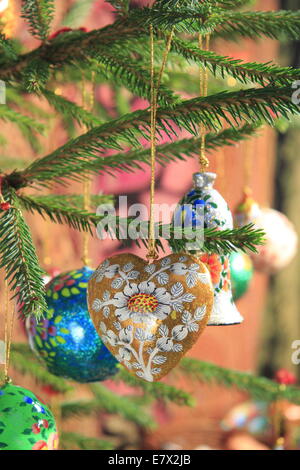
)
(150, 315)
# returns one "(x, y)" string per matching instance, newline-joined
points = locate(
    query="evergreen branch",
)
(7, 49)
(123, 406)
(107, 401)
(25, 123)
(72, 441)
(222, 242)
(72, 200)
(68, 109)
(198, 18)
(74, 47)
(170, 152)
(256, 24)
(39, 15)
(60, 213)
(157, 390)
(264, 74)
(130, 74)
(24, 361)
(259, 388)
(203, 18)
(36, 76)
(19, 259)
(251, 105)
(172, 4)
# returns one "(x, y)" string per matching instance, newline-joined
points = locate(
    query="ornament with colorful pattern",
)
(150, 315)
(66, 339)
(241, 272)
(251, 417)
(216, 215)
(280, 235)
(25, 422)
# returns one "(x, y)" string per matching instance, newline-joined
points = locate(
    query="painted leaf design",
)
(163, 330)
(200, 313)
(179, 332)
(186, 317)
(139, 373)
(140, 334)
(136, 365)
(188, 298)
(159, 360)
(156, 370)
(117, 325)
(177, 289)
(177, 306)
(128, 267)
(191, 279)
(133, 275)
(106, 311)
(163, 278)
(150, 268)
(177, 347)
(106, 295)
(96, 305)
(117, 283)
(193, 327)
(165, 262)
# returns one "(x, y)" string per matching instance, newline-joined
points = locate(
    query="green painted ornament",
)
(241, 271)
(25, 422)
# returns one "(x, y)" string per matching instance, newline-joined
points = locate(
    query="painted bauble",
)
(281, 239)
(25, 422)
(150, 315)
(66, 339)
(241, 271)
(204, 207)
(251, 417)
(281, 242)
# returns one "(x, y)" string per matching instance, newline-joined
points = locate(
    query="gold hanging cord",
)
(9, 317)
(88, 102)
(152, 253)
(203, 160)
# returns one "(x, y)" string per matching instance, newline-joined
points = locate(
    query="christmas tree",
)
(120, 54)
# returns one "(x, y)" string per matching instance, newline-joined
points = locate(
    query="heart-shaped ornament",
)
(150, 315)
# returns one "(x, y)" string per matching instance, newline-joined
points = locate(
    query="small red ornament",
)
(5, 206)
(66, 30)
(284, 377)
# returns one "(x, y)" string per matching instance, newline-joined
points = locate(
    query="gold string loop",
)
(152, 253)
(88, 102)
(203, 160)
(9, 318)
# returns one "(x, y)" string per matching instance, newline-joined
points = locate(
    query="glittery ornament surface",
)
(241, 270)
(25, 422)
(66, 338)
(150, 315)
(216, 215)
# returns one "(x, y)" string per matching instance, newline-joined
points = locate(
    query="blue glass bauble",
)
(66, 339)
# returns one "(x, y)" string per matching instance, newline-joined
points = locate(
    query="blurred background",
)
(262, 344)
